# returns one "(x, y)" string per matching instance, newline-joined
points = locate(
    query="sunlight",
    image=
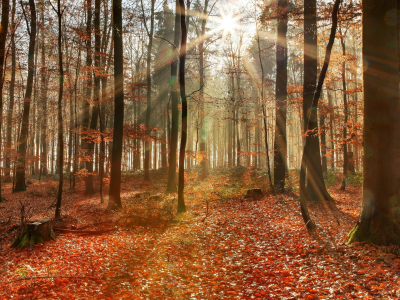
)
(228, 24)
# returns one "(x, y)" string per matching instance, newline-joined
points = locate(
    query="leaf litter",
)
(244, 249)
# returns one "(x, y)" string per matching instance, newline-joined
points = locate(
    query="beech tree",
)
(379, 217)
(24, 134)
(182, 58)
(115, 181)
(3, 35)
(280, 147)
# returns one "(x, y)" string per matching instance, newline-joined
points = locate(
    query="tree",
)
(60, 143)
(280, 154)
(316, 189)
(88, 145)
(12, 90)
(150, 34)
(182, 58)
(115, 181)
(24, 134)
(305, 160)
(171, 184)
(379, 220)
(3, 36)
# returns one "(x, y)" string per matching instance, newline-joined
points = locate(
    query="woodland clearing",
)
(243, 249)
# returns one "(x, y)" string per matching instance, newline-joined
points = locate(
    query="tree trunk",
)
(88, 146)
(203, 152)
(115, 181)
(182, 58)
(316, 189)
(280, 147)
(305, 161)
(24, 134)
(322, 113)
(171, 184)
(59, 113)
(12, 91)
(148, 95)
(343, 187)
(3, 36)
(379, 218)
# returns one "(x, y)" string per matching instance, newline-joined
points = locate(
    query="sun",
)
(228, 24)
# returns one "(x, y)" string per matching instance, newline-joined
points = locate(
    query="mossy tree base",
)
(34, 232)
(359, 234)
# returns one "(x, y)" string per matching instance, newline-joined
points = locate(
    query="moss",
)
(358, 234)
(40, 240)
(16, 242)
(32, 241)
(24, 240)
(53, 235)
(2, 199)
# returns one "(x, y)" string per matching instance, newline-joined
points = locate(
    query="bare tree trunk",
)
(115, 182)
(3, 36)
(20, 172)
(280, 147)
(305, 159)
(379, 217)
(171, 184)
(12, 91)
(182, 58)
(88, 145)
(201, 70)
(345, 160)
(148, 95)
(59, 113)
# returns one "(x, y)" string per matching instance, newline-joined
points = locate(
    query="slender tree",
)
(88, 145)
(150, 33)
(24, 134)
(115, 182)
(305, 158)
(182, 58)
(3, 36)
(280, 154)
(60, 142)
(12, 90)
(171, 184)
(316, 189)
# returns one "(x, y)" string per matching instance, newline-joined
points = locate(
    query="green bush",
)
(354, 179)
(330, 178)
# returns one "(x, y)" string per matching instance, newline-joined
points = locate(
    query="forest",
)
(199, 149)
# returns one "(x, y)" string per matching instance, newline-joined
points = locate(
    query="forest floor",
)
(243, 249)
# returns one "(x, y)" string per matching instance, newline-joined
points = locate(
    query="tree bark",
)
(345, 159)
(379, 218)
(60, 144)
(24, 134)
(12, 91)
(182, 58)
(280, 147)
(311, 162)
(171, 184)
(86, 144)
(148, 95)
(305, 161)
(115, 181)
(5, 9)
